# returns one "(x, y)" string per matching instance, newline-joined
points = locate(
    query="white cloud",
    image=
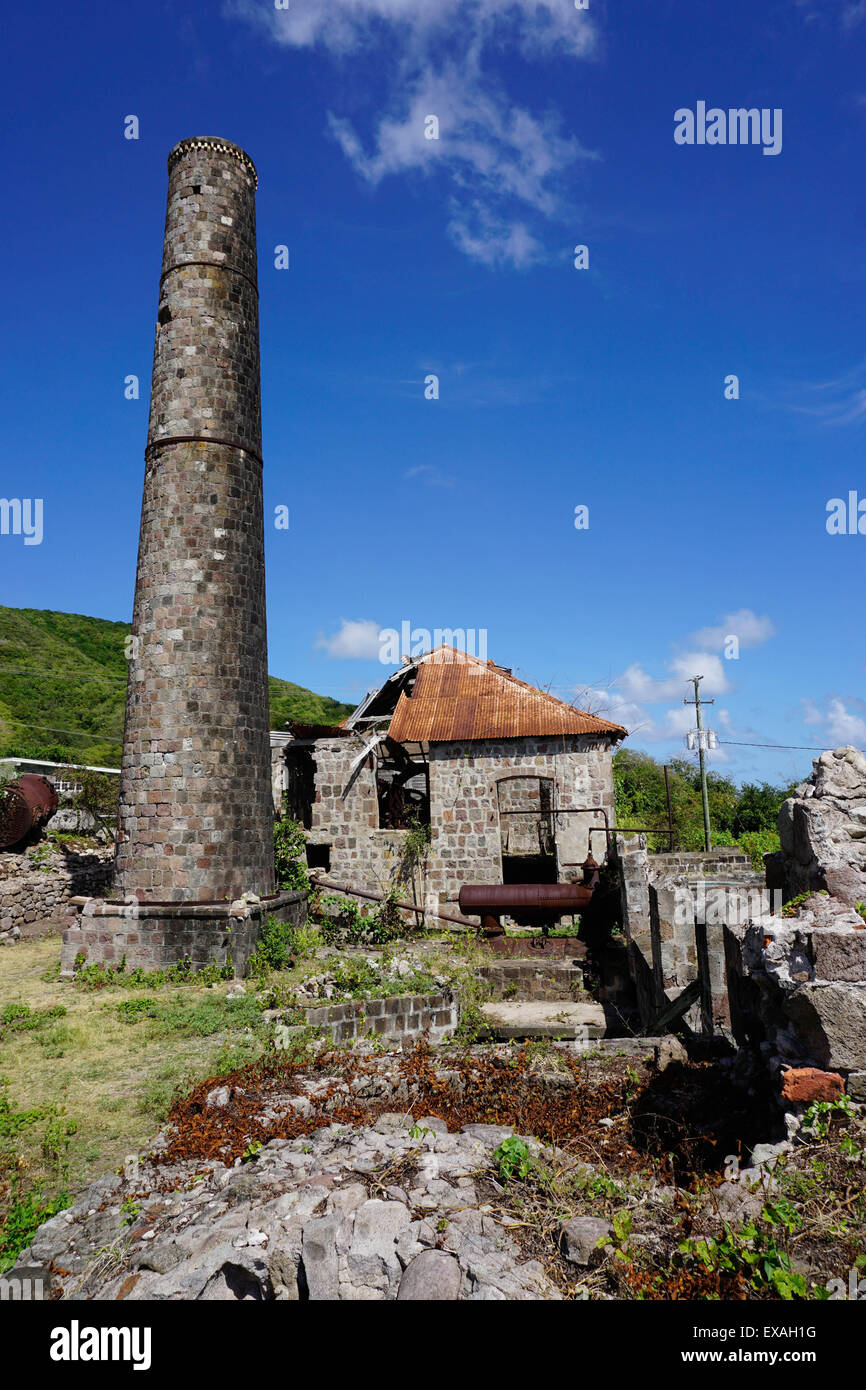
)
(484, 237)
(837, 722)
(431, 475)
(343, 26)
(851, 12)
(746, 626)
(636, 684)
(626, 699)
(356, 640)
(504, 163)
(840, 401)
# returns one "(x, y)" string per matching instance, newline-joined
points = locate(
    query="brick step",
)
(542, 980)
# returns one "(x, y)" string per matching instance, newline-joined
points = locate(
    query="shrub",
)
(274, 950)
(290, 866)
(514, 1159)
(757, 843)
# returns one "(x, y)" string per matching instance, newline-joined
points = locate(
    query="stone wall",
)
(345, 815)
(797, 982)
(154, 936)
(802, 994)
(822, 829)
(464, 804)
(400, 1018)
(30, 895)
(542, 980)
(675, 908)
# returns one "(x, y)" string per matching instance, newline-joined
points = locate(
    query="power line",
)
(59, 675)
(73, 733)
(807, 747)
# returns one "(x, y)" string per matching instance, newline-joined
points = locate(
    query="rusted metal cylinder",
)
(25, 805)
(540, 899)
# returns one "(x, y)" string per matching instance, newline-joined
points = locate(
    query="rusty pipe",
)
(537, 899)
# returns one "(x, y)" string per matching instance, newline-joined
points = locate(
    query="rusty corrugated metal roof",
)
(457, 697)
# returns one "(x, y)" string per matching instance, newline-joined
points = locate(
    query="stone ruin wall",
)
(792, 987)
(798, 983)
(31, 895)
(674, 909)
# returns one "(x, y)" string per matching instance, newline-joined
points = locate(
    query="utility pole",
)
(704, 740)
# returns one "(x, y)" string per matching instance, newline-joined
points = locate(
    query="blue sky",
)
(559, 387)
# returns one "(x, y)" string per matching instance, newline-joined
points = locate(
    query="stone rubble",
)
(368, 1214)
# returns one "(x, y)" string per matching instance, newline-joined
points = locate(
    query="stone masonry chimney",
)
(196, 811)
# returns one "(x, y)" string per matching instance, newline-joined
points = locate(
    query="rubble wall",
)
(31, 894)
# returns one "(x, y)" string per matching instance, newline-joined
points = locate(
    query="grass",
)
(98, 1061)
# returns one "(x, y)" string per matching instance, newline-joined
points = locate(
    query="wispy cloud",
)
(841, 401)
(839, 723)
(429, 474)
(505, 165)
(356, 640)
(848, 13)
(749, 629)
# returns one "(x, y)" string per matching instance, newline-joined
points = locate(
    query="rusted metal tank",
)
(25, 805)
(542, 901)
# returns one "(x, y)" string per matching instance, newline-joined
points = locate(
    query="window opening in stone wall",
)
(301, 783)
(319, 857)
(402, 786)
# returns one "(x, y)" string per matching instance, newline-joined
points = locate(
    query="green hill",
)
(63, 688)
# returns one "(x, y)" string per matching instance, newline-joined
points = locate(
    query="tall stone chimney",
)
(196, 812)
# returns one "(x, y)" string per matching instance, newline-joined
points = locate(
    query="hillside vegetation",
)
(63, 688)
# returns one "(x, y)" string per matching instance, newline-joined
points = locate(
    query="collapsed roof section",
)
(449, 696)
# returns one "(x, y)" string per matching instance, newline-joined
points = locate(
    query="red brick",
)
(806, 1084)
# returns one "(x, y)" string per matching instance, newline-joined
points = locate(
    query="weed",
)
(419, 1131)
(820, 1115)
(93, 977)
(290, 869)
(18, 1018)
(514, 1159)
(621, 1242)
(131, 1210)
(792, 907)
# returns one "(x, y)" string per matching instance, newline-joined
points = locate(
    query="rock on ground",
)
(369, 1214)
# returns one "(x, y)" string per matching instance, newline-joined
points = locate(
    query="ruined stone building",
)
(509, 779)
